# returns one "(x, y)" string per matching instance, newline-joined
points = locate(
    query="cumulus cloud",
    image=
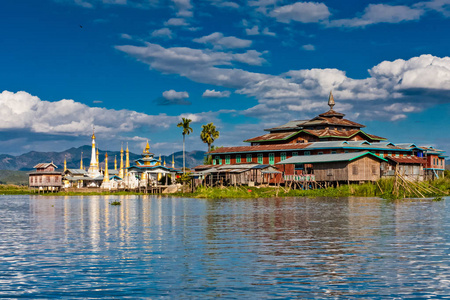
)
(126, 36)
(309, 47)
(217, 39)
(203, 66)
(304, 12)
(163, 32)
(381, 13)
(184, 8)
(252, 31)
(266, 31)
(173, 97)
(421, 82)
(176, 22)
(216, 94)
(67, 117)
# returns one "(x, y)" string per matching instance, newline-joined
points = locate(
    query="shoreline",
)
(383, 189)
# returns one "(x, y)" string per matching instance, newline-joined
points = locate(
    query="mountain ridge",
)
(26, 161)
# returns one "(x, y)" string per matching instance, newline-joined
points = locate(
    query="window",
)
(249, 158)
(227, 159)
(346, 151)
(260, 158)
(333, 152)
(271, 158)
(389, 153)
(397, 154)
(374, 169)
(355, 170)
(294, 153)
(238, 158)
(320, 153)
(307, 152)
(217, 161)
(283, 155)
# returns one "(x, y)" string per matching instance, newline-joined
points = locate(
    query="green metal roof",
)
(313, 159)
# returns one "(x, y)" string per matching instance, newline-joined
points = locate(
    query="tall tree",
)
(208, 135)
(185, 124)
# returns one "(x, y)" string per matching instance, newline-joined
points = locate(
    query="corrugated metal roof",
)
(272, 136)
(312, 159)
(44, 165)
(76, 171)
(289, 125)
(408, 160)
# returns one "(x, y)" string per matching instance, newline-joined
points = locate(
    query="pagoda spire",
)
(115, 162)
(127, 160)
(65, 163)
(106, 174)
(81, 161)
(173, 161)
(121, 162)
(331, 100)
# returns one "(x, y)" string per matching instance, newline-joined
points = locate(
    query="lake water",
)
(153, 247)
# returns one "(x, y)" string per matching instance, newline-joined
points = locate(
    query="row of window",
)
(437, 162)
(249, 157)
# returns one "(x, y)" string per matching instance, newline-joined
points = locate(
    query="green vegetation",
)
(116, 203)
(10, 189)
(208, 135)
(384, 188)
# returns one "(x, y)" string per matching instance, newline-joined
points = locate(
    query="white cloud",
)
(309, 47)
(304, 12)
(126, 36)
(216, 94)
(176, 22)
(184, 8)
(219, 40)
(381, 13)
(266, 31)
(442, 6)
(67, 117)
(252, 31)
(172, 94)
(163, 32)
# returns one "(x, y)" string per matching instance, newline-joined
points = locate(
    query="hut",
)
(45, 178)
(411, 167)
(339, 168)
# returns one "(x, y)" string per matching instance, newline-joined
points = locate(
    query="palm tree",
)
(209, 134)
(185, 124)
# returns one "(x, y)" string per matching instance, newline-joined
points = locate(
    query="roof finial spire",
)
(331, 100)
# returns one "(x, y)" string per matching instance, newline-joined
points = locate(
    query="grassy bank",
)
(10, 189)
(384, 188)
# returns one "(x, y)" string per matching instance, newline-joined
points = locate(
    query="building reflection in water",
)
(254, 242)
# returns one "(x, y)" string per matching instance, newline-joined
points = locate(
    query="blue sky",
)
(135, 68)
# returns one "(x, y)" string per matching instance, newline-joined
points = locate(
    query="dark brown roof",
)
(332, 113)
(277, 147)
(323, 133)
(331, 120)
(408, 160)
(272, 136)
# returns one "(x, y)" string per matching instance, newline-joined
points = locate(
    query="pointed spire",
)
(115, 162)
(106, 174)
(93, 132)
(164, 161)
(331, 100)
(173, 161)
(65, 163)
(81, 161)
(121, 174)
(147, 148)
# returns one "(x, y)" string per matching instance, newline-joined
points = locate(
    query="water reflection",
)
(82, 247)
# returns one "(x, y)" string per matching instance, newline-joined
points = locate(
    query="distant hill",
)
(26, 161)
(13, 177)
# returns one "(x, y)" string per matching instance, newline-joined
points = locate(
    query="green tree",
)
(185, 124)
(208, 135)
